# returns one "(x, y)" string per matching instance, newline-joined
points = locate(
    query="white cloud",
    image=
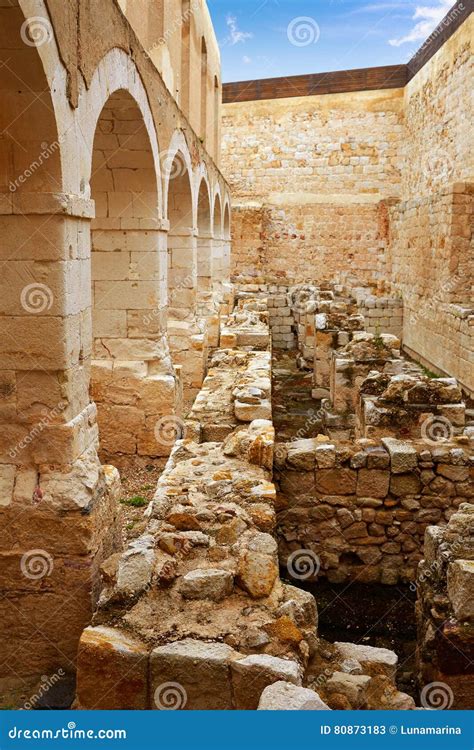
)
(235, 35)
(430, 15)
(246, 60)
(377, 7)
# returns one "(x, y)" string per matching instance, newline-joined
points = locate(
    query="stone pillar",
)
(208, 305)
(217, 264)
(134, 382)
(58, 510)
(186, 334)
(226, 253)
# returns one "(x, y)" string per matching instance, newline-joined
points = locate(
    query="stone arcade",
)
(131, 332)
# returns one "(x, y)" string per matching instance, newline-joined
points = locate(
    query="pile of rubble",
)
(411, 405)
(237, 389)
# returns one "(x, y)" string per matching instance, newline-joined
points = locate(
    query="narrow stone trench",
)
(368, 614)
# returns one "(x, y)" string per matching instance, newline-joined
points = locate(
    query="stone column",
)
(134, 382)
(208, 305)
(58, 510)
(226, 252)
(186, 334)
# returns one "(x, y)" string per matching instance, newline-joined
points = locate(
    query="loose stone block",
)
(374, 659)
(402, 455)
(112, 671)
(284, 696)
(209, 583)
(352, 686)
(461, 588)
(200, 672)
(258, 566)
(251, 675)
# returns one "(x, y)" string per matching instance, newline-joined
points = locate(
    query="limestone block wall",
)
(58, 527)
(436, 280)
(308, 176)
(71, 189)
(431, 228)
(383, 315)
(363, 508)
(380, 184)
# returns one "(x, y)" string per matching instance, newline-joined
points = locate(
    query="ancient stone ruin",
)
(237, 462)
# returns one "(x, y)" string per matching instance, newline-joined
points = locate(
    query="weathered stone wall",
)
(175, 606)
(363, 508)
(431, 252)
(308, 175)
(70, 188)
(194, 614)
(377, 183)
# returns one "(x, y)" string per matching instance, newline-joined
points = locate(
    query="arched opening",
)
(183, 330)
(52, 486)
(132, 380)
(203, 127)
(204, 244)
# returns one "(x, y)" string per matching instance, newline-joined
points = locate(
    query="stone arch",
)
(33, 303)
(53, 488)
(132, 381)
(115, 72)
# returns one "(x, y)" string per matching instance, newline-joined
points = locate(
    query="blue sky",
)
(267, 38)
